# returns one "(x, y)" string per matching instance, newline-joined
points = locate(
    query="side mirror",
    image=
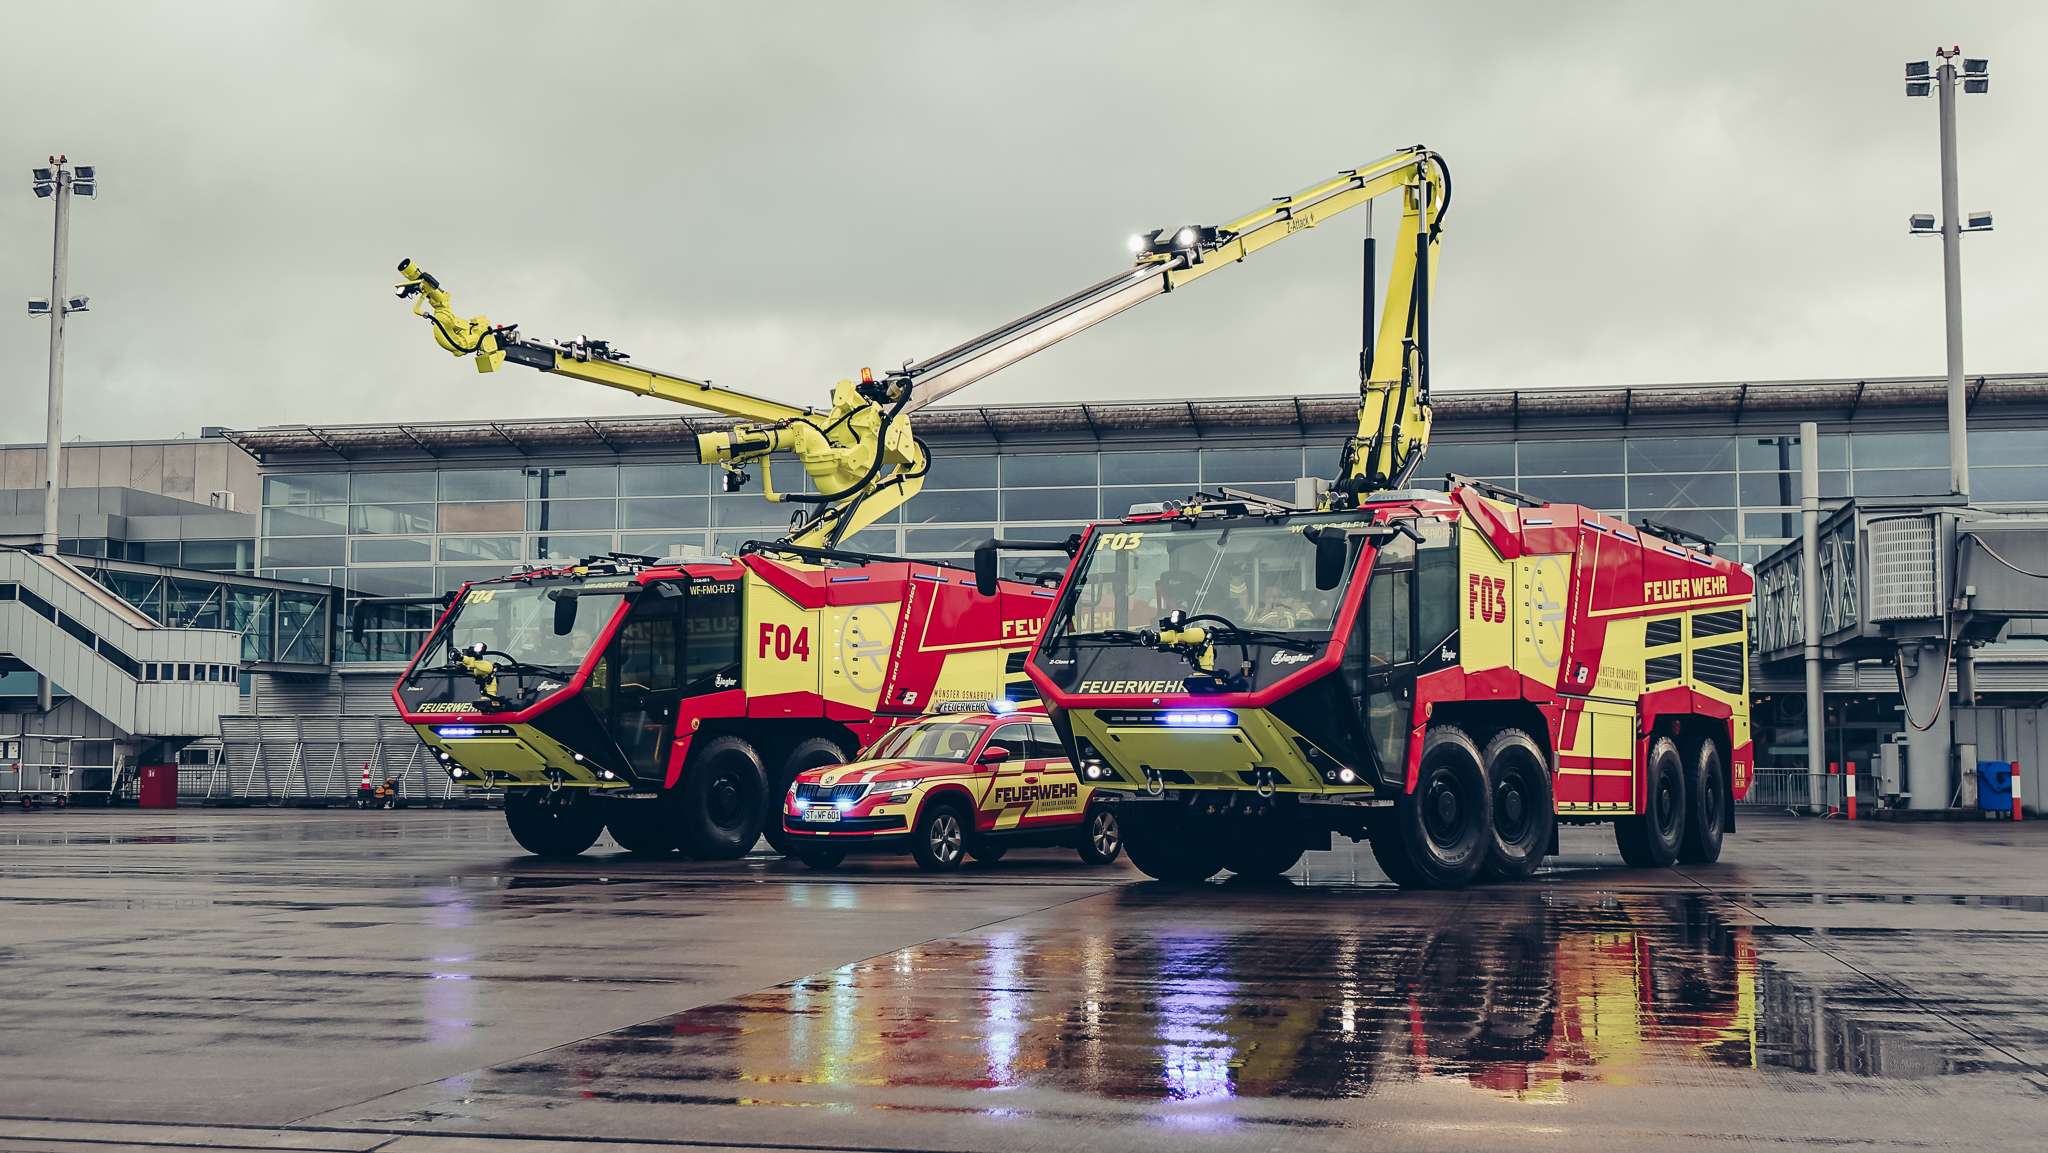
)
(985, 568)
(1332, 548)
(994, 753)
(565, 612)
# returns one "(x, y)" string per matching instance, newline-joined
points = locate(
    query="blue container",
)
(1994, 786)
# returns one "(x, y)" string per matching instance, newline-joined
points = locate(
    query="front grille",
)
(1661, 632)
(822, 795)
(1662, 669)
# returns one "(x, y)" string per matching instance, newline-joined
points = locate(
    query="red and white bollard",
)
(2015, 790)
(1849, 789)
(1834, 770)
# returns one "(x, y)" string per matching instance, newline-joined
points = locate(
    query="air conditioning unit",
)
(1904, 570)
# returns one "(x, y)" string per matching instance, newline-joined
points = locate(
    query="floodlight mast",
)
(1940, 81)
(57, 181)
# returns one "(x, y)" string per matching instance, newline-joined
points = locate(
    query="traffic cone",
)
(364, 787)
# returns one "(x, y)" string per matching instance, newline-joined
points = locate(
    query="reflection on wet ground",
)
(1524, 996)
(409, 974)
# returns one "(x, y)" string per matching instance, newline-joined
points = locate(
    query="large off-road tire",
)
(807, 754)
(986, 851)
(1263, 854)
(1523, 813)
(1391, 852)
(820, 856)
(1446, 824)
(1650, 840)
(555, 824)
(1169, 850)
(720, 804)
(1706, 800)
(939, 839)
(1102, 836)
(643, 828)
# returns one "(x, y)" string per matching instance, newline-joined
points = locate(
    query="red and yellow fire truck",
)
(1446, 674)
(672, 703)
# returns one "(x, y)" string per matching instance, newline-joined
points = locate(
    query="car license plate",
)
(821, 814)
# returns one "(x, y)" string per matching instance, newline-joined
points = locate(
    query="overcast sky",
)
(775, 195)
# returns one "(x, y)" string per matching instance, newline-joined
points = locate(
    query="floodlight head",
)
(86, 188)
(37, 306)
(1918, 87)
(79, 303)
(42, 175)
(44, 191)
(1921, 222)
(1917, 70)
(1976, 85)
(1976, 66)
(82, 171)
(1979, 222)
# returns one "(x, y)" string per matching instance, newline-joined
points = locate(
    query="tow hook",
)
(1265, 781)
(1154, 783)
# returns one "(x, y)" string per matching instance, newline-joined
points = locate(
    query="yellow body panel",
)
(520, 758)
(1217, 758)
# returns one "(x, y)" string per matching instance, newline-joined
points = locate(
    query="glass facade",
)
(379, 535)
(283, 625)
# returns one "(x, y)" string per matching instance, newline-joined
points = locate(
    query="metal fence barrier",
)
(301, 760)
(1800, 791)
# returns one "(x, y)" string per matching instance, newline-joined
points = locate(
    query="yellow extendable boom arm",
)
(860, 456)
(852, 483)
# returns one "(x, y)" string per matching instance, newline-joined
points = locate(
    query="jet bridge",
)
(1917, 584)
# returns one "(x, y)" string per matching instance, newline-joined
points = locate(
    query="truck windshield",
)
(927, 741)
(1256, 575)
(518, 621)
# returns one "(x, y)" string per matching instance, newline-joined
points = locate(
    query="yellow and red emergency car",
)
(950, 786)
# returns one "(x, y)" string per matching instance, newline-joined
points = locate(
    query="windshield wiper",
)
(1113, 636)
(1234, 633)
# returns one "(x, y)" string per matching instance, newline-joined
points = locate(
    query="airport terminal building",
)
(340, 519)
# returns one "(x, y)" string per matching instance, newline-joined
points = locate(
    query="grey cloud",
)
(777, 195)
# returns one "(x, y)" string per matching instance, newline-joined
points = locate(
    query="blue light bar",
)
(459, 732)
(1201, 718)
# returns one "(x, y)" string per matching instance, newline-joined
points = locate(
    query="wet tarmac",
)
(341, 980)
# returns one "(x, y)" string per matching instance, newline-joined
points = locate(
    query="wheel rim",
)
(1667, 803)
(722, 801)
(1710, 802)
(946, 838)
(1103, 834)
(1511, 808)
(1443, 811)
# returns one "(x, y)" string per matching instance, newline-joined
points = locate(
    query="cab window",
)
(1045, 743)
(1015, 738)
